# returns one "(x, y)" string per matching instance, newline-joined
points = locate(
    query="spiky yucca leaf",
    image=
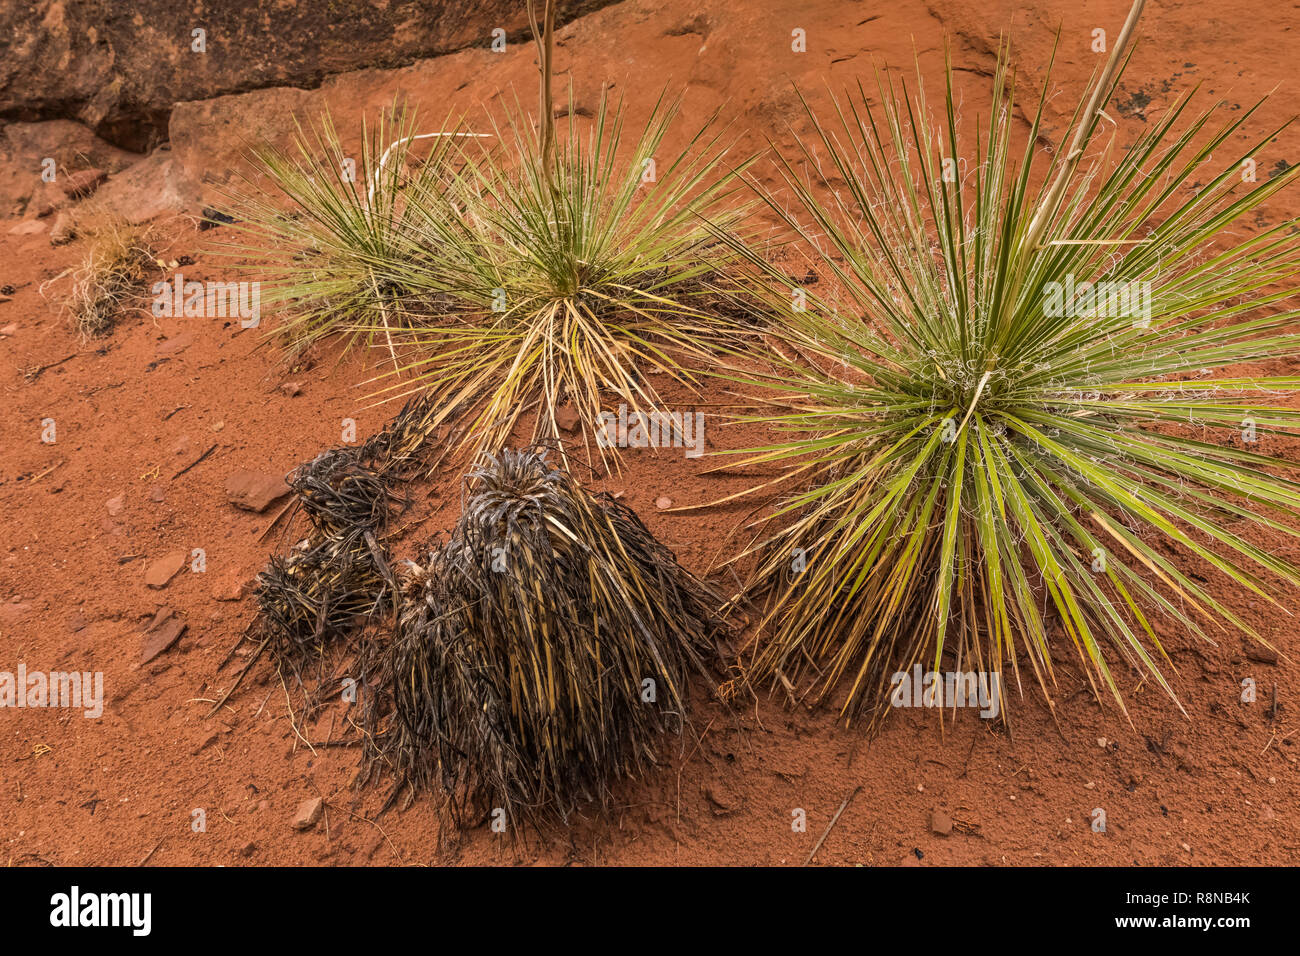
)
(326, 239)
(543, 650)
(567, 277)
(983, 449)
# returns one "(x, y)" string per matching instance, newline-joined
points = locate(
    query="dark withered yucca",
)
(338, 577)
(335, 577)
(543, 650)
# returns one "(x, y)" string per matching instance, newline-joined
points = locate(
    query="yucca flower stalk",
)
(985, 454)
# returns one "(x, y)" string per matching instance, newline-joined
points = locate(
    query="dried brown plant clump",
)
(335, 587)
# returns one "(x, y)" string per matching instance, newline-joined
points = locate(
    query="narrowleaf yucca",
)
(1019, 404)
(542, 651)
(574, 267)
(324, 230)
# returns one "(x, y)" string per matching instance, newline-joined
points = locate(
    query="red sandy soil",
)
(136, 407)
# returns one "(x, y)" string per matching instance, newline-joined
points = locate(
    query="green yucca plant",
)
(574, 269)
(987, 448)
(327, 237)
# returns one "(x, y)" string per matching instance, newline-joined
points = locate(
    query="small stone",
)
(164, 630)
(308, 813)
(663, 501)
(566, 416)
(64, 229)
(160, 573)
(1101, 742)
(115, 505)
(155, 492)
(81, 184)
(940, 823)
(9, 329)
(208, 742)
(213, 218)
(248, 849)
(177, 343)
(255, 492)
(28, 227)
(231, 590)
(291, 388)
(1261, 654)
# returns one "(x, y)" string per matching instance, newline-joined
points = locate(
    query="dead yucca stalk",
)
(117, 257)
(543, 651)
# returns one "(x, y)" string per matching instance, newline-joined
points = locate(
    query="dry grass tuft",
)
(117, 258)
